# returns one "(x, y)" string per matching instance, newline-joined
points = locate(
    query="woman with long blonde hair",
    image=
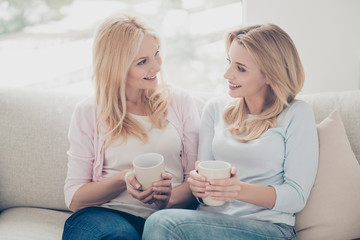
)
(268, 137)
(133, 112)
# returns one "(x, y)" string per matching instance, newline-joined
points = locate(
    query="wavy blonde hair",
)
(278, 59)
(117, 42)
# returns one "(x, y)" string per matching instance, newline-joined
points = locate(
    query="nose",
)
(156, 67)
(228, 73)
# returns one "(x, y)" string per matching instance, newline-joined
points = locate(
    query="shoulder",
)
(217, 103)
(298, 111)
(299, 107)
(179, 94)
(85, 107)
(181, 99)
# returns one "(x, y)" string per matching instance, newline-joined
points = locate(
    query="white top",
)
(285, 157)
(119, 156)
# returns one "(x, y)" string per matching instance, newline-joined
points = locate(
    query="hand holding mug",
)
(162, 191)
(147, 169)
(148, 181)
(225, 190)
(204, 181)
(197, 183)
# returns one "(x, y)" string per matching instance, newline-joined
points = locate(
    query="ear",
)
(267, 80)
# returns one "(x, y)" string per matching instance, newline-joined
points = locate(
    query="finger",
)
(225, 199)
(233, 171)
(167, 176)
(196, 176)
(149, 199)
(134, 182)
(197, 165)
(197, 186)
(162, 183)
(224, 182)
(228, 195)
(139, 194)
(197, 189)
(200, 194)
(162, 190)
(161, 197)
(220, 188)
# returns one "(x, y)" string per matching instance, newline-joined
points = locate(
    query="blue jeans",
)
(95, 223)
(176, 224)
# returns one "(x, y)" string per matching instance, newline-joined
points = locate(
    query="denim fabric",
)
(176, 224)
(95, 223)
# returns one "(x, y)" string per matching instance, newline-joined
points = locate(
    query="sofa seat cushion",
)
(32, 223)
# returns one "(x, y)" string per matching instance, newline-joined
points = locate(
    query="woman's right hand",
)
(134, 189)
(198, 183)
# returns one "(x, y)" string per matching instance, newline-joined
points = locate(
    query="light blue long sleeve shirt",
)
(285, 157)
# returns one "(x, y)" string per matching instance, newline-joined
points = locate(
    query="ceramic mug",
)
(147, 169)
(214, 170)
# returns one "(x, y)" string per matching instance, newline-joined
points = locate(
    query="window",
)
(48, 44)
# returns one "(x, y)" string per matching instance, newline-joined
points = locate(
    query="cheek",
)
(134, 75)
(159, 60)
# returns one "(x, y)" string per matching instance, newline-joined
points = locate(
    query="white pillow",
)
(333, 207)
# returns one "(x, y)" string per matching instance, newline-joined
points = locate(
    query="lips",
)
(233, 86)
(150, 78)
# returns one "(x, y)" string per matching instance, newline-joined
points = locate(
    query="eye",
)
(157, 53)
(241, 69)
(228, 59)
(141, 62)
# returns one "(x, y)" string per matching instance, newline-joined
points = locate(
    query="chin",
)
(233, 94)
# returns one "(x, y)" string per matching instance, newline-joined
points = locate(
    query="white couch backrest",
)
(33, 145)
(348, 103)
(33, 141)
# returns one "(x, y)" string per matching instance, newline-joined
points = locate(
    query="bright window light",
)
(45, 45)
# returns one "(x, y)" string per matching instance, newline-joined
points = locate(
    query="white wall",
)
(327, 36)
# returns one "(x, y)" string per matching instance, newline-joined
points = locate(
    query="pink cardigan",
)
(86, 153)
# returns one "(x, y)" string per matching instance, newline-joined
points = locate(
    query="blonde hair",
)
(117, 42)
(278, 59)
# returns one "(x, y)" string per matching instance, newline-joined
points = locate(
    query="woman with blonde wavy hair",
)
(133, 112)
(268, 137)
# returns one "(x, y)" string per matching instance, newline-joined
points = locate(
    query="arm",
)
(233, 189)
(197, 183)
(300, 167)
(181, 196)
(301, 160)
(186, 109)
(80, 189)
(96, 193)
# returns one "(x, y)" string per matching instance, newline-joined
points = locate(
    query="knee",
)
(163, 225)
(157, 220)
(157, 226)
(121, 234)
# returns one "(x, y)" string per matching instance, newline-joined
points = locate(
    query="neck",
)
(134, 103)
(255, 107)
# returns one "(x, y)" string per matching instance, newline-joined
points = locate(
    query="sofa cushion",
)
(33, 145)
(32, 224)
(348, 105)
(332, 210)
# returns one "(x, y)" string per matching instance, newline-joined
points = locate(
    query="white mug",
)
(214, 170)
(147, 169)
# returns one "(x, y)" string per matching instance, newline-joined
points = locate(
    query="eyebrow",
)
(241, 64)
(140, 58)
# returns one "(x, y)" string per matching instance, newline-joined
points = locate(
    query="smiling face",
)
(244, 75)
(143, 71)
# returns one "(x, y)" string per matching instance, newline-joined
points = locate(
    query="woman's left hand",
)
(162, 191)
(226, 190)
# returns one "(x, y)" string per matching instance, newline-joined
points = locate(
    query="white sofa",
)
(33, 160)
